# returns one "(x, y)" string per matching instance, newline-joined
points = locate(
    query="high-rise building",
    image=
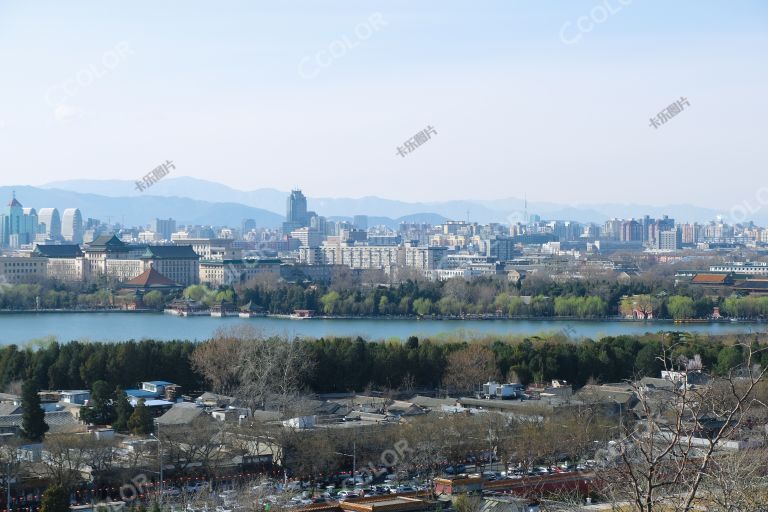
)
(296, 208)
(18, 226)
(669, 240)
(690, 233)
(360, 222)
(72, 225)
(309, 237)
(631, 231)
(502, 248)
(163, 227)
(30, 225)
(246, 226)
(49, 223)
(612, 229)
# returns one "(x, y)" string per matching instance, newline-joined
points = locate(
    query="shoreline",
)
(415, 318)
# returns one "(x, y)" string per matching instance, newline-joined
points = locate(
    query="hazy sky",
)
(552, 99)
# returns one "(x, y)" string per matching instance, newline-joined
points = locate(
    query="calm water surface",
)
(24, 327)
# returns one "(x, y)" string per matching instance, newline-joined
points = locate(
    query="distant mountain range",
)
(195, 201)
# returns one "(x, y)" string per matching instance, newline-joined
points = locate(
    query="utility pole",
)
(160, 462)
(8, 487)
(160, 456)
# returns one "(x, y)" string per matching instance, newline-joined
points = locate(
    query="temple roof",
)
(151, 278)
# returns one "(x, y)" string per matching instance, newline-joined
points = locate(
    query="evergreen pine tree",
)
(55, 499)
(100, 409)
(140, 422)
(33, 425)
(123, 410)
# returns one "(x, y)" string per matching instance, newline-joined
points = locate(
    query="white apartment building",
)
(758, 268)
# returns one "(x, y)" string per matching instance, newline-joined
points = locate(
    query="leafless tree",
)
(218, 359)
(736, 481)
(469, 367)
(255, 369)
(66, 458)
(664, 461)
(199, 443)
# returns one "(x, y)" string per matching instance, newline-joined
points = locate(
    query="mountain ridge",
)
(496, 210)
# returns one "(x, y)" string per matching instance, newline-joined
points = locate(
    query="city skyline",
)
(551, 101)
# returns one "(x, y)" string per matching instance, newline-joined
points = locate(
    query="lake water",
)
(24, 327)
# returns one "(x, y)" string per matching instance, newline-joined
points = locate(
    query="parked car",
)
(197, 486)
(455, 470)
(171, 491)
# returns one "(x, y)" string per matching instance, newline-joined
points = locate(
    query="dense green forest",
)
(344, 364)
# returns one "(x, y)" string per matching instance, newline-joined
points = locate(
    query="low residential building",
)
(748, 267)
(76, 396)
(180, 416)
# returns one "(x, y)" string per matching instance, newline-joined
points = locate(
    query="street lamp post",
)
(160, 459)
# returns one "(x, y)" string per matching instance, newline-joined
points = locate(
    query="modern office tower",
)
(49, 223)
(30, 225)
(646, 223)
(296, 214)
(246, 226)
(296, 208)
(163, 227)
(72, 225)
(18, 226)
(360, 222)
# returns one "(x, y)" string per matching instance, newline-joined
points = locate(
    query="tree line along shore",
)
(533, 297)
(342, 364)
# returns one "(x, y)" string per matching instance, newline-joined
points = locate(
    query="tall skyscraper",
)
(295, 212)
(72, 225)
(18, 226)
(49, 223)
